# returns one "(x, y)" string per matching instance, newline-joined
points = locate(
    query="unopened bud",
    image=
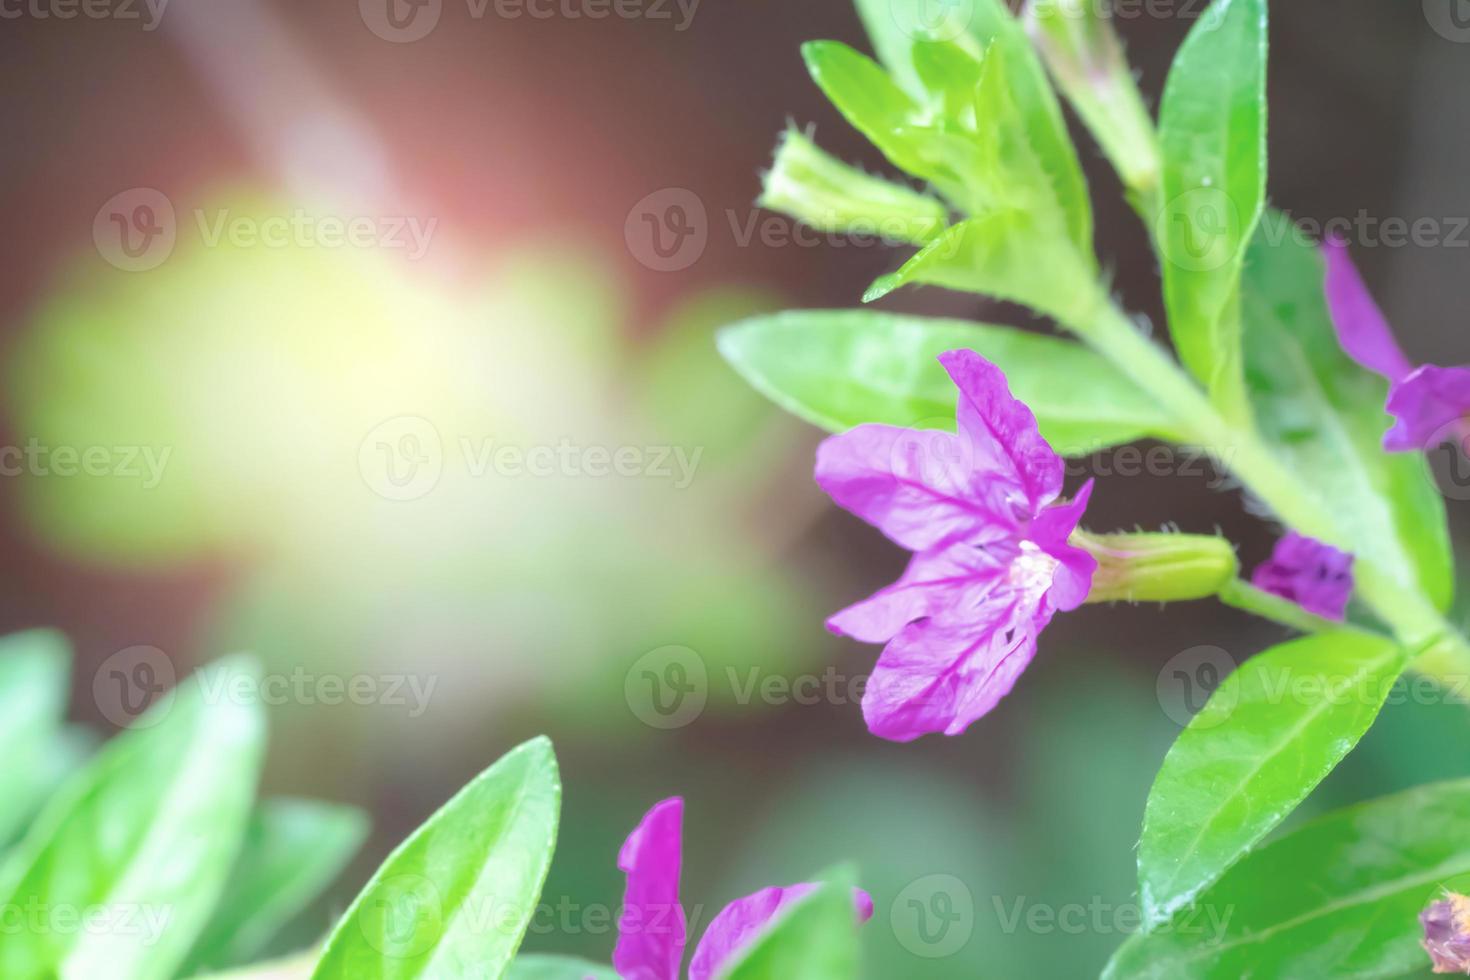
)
(1077, 41)
(1157, 567)
(1447, 934)
(824, 193)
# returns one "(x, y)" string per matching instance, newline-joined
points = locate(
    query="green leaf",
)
(35, 669)
(816, 939)
(842, 368)
(1029, 90)
(296, 967)
(1338, 897)
(558, 968)
(454, 900)
(1009, 254)
(1269, 734)
(1324, 416)
(1212, 131)
(894, 25)
(869, 99)
(293, 849)
(142, 838)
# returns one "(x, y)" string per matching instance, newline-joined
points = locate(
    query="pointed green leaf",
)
(894, 25)
(1030, 91)
(142, 838)
(1268, 735)
(1339, 897)
(815, 939)
(842, 368)
(455, 899)
(1212, 130)
(558, 968)
(35, 669)
(1324, 415)
(1012, 255)
(292, 851)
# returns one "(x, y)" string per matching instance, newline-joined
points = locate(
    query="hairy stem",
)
(1239, 594)
(1413, 619)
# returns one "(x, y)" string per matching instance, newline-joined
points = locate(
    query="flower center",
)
(1032, 569)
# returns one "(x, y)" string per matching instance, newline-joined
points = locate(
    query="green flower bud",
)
(821, 191)
(1157, 567)
(1078, 43)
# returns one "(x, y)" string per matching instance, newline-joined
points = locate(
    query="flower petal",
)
(919, 487)
(942, 583)
(1001, 430)
(1428, 407)
(934, 678)
(1315, 576)
(1362, 329)
(741, 922)
(651, 929)
(1053, 526)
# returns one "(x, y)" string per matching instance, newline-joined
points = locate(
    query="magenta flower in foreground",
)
(1426, 402)
(991, 561)
(652, 927)
(1315, 576)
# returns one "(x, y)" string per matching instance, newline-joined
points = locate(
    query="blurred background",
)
(379, 341)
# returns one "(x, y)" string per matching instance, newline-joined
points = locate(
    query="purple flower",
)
(991, 560)
(652, 927)
(1447, 934)
(1315, 576)
(1428, 403)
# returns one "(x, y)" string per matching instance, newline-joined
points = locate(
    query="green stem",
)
(1413, 619)
(1240, 594)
